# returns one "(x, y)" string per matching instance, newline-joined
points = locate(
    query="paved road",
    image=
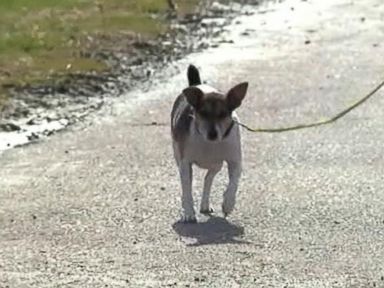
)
(97, 206)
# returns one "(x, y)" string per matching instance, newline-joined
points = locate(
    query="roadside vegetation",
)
(44, 38)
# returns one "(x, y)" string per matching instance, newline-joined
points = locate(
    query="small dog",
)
(204, 132)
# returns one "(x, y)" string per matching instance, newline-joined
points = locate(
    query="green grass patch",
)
(41, 38)
(124, 21)
(15, 5)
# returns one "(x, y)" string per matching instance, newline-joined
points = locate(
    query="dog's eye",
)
(222, 115)
(204, 114)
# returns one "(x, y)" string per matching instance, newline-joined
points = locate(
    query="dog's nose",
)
(212, 134)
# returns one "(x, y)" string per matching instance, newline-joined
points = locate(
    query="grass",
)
(41, 38)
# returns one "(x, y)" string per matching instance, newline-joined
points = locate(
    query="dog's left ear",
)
(194, 96)
(236, 95)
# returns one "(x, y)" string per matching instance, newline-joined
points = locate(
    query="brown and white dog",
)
(205, 133)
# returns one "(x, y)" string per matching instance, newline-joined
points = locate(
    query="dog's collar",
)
(229, 129)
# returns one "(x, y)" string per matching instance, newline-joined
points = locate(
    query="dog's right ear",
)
(236, 95)
(194, 96)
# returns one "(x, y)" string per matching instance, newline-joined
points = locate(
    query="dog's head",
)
(213, 110)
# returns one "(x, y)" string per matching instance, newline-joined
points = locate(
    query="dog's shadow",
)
(215, 230)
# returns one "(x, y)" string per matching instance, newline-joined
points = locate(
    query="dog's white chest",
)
(208, 154)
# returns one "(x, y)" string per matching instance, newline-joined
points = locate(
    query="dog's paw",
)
(208, 211)
(227, 207)
(188, 219)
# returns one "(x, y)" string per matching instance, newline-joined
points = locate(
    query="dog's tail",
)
(193, 76)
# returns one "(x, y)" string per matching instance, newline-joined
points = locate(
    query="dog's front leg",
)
(204, 207)
(234, 173)
(185, 170)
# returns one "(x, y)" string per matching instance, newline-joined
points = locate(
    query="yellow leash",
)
(296, 127)
(319, 123)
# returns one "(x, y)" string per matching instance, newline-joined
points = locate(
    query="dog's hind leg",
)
(204, 207)
(234, 173)
(185, 170)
